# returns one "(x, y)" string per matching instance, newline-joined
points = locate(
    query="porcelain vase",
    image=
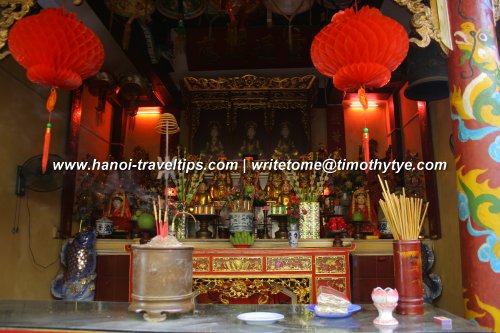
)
(293, 234)
(309, 222)
(385, 300)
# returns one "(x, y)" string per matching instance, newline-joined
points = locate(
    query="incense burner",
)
(162, 280)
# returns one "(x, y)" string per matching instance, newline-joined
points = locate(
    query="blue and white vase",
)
(293, 234)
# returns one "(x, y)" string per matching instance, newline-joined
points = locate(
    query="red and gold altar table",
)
(269, 275)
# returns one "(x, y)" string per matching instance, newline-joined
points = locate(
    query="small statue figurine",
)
(274, 185)
(286, 193)
(361, 210)
(251, 144)
(220, 186)
(202, 197)
(250, 181)
(118, 211)
(328, 207)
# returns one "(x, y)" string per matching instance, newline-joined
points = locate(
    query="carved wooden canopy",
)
(249, 92)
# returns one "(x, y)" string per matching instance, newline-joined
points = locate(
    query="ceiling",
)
(223, 38)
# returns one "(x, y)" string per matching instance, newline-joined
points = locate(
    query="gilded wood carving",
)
(330, 265)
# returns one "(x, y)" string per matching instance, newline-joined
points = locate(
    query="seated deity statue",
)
(274, 186)
(361, 210)
(286, 193)
(214, 147)
(251, 144)
(118, 211)
(285, 147)
(221, 186)
(202, 197)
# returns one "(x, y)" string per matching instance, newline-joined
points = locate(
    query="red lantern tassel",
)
(46, 148)
(51, 102)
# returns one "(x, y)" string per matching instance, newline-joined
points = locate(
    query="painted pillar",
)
(475, 110)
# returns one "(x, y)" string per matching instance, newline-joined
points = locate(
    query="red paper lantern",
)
(57, 51)
(359, 49)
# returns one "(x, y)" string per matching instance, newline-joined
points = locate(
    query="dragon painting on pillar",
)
(475, 111)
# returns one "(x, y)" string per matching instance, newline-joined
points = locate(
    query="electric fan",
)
(30, 176)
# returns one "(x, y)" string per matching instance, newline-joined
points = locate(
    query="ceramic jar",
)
(241, 221)
(104, 227)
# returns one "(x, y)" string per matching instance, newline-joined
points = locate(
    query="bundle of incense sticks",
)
(161, 219)
(404, 214)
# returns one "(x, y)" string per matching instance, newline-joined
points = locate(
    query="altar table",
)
(64, 316)
(269, 275)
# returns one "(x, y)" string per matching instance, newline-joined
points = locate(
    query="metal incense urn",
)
(161, 280)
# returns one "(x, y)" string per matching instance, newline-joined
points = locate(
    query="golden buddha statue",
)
(274, 186)
(202, 197)
(286, 193)
(221, 186)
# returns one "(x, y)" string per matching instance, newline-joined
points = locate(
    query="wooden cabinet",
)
(112, 281)
(368, 272)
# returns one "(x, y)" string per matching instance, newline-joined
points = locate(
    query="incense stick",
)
(161, 221)
(404, 215)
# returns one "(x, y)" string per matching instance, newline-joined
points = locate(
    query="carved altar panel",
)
(201, 264)
(337, 283)
(237, 264)
(330, 265)
(230, 289)
(288, 263)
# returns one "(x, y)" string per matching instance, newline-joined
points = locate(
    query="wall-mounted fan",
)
(30, 176)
